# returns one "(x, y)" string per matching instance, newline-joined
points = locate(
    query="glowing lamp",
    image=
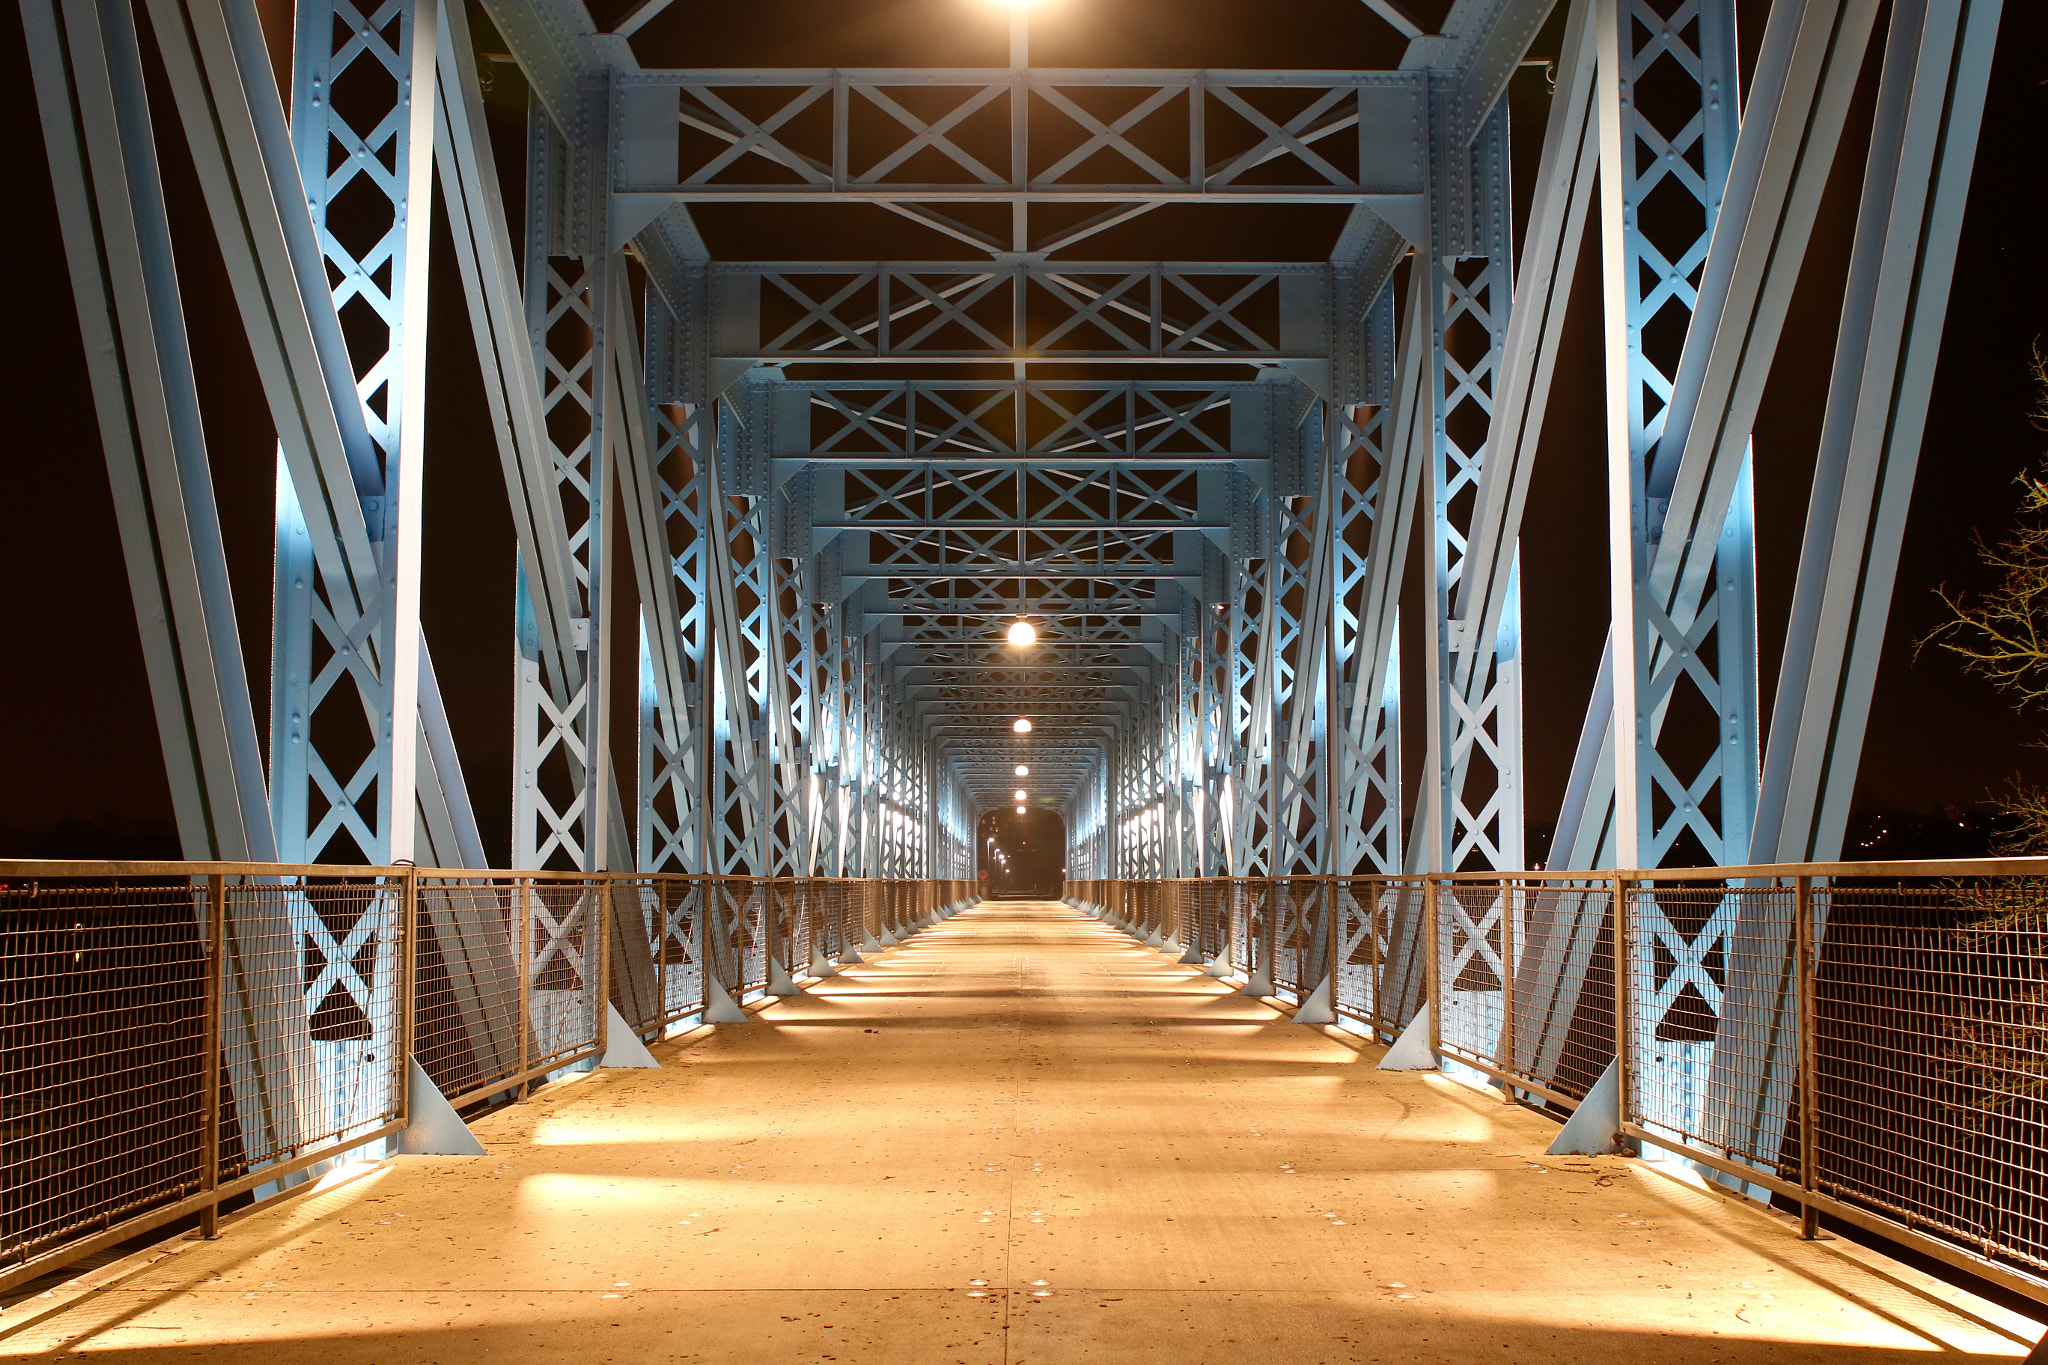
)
(1023, 770)
(1023, 633)
(1021, 725)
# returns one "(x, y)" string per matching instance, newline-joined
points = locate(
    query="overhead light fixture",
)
(1023, 770)
(1020, 810)
(1023, 795)
(1023, 633)
(1022, 725)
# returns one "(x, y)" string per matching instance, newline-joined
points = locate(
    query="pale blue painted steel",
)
(337, 708)
(561, 779)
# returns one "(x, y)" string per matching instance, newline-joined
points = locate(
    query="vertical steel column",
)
(1365, 479)
(561, 772)
(1662, 179)
(671, 836)
(1305, 511)
(1251, 665)
(345, 694)
(1473, 795)
(1649, 263)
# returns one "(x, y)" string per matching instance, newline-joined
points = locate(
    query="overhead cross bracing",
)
(808, 381)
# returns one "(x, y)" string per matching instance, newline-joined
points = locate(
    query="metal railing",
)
(176, 1036)
(1864, 1041)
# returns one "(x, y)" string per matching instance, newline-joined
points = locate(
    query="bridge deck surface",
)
(1018, 1138)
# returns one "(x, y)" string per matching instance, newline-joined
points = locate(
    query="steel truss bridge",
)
(831, 484)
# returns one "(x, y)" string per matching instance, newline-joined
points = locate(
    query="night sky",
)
(81, 742)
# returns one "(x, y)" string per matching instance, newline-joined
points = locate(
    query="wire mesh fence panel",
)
(633, 980)
(844, 918)
(1214, 913)
(866, 918)
(780, 918)
(1712, 1017)
(562, 969)
(1187, 920)
(724, 904)
(1096, 896)
(679, 961)
(1177, 895)
(102, 1055)
(312, 1046)
(1255, 923)
(1471, 941)
(1563, 980)
(1930, 1074)
(750, 934)
(1295, 930)
(1359, 937)
(466, 1000)
(805, 923)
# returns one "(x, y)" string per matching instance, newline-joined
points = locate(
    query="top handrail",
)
(17, 868)
(1923, 867)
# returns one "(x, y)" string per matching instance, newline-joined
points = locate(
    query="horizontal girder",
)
(1021, 310)
(935, 135)
(844, 421)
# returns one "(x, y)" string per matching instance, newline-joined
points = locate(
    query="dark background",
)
(80, 769)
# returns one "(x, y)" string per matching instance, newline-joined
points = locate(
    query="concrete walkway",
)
(1018, 1138)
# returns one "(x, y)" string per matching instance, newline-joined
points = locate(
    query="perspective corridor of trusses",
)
(1169, 362)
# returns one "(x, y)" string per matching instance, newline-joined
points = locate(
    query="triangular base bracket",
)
(719, 1006)
(821, 965)
(1411, 1051)
(1594, 1129)
(432, 1128)
(780, 981)
(1316, 1009)
(1219, 965)
(622, 1046)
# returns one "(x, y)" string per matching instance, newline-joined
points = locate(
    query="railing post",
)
(1433, 977)
(1803, 966)
(1508, 895)
(209, 1069)
(1625, 1085)
(658, 885)
(408, 988)
(522, 924)
(600, 1012)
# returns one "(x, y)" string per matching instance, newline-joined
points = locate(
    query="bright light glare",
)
(1022, 795)
(1023, 633)
(1023, 770)
(1020, 810)
(1021, 725)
